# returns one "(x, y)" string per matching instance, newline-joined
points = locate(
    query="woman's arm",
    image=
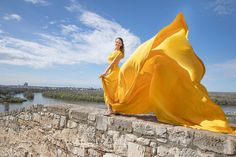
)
(115, 60)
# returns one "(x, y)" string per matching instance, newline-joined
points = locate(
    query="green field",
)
(85, 95)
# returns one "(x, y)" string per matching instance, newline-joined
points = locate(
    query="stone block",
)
(121, 124)
(71, 124)
(143, 141)
(111, 155)
(135, 150)
(180, 136)
(81, 152)
(107, 141)
(169, 152)
(230, 146)
(101, 123)
(161, 133)
(186, 152)
(210, 141)
(143, 128)
(57, 109)
(78, 116)
(120, 145)
(130, 137)
(36, 117)
(62, 122)
(94, 153)
(89, 135)
(92, 117)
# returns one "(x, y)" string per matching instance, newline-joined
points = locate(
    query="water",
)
(39, 99)
(229, 109)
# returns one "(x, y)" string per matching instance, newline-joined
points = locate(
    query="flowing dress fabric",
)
(163, 76)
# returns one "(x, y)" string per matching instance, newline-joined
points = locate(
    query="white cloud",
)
(228, 68)
(223, 7)
(12, 17)
(71, 45)
(221, 76)
(74, 6)
(66, 29)
(38, 2)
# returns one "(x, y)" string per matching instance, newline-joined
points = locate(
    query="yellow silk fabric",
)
(163, 76)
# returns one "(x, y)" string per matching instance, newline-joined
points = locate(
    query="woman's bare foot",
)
(109, 111)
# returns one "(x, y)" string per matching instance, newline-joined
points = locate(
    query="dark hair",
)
(122, 48)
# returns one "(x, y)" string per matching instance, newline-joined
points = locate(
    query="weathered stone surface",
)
(78, 116)
(143, 141)
(36, 117)
(62, 122)
(113, 133)
(94, 153)
(79, 151)
(101, 123)
(210, 141)
(230, 146)
(180, 136)
(161, 133)
(71, 124)
(56, 121)
(120, 145)
(135, 150)
(130, 137)
(107, 141)
(111, 155)
(143, 128)
(162, 151)
(188, 152)
(92, 117)
(24, 117)
(148, 152)
(58, 109)
(90, 134)
(83, 131)
(121, 124)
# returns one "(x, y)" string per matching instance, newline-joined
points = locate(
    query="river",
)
(39, 99)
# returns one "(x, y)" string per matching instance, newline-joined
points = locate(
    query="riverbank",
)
(220, 98)
(11, 99)
(88, 96)
(39, 99)
(223, 98)
(94, 94)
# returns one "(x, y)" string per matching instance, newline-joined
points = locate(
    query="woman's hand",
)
(104, 74)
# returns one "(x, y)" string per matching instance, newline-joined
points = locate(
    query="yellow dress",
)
(163, 76)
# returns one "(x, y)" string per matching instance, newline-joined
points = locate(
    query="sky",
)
(66, 42)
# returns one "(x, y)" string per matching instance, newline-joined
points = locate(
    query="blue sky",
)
(66, 42)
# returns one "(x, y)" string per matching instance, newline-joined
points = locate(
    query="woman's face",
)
(118, 43)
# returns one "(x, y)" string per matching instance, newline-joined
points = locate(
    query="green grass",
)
(11, 99)
(85, 95)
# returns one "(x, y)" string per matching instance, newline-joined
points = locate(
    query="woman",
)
(163, 76)
(110, 75)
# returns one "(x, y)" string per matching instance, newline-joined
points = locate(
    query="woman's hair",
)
(122, 48)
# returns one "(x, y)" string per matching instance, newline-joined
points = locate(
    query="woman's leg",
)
(110, 111)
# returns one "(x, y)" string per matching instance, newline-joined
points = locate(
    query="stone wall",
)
(69, 130)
